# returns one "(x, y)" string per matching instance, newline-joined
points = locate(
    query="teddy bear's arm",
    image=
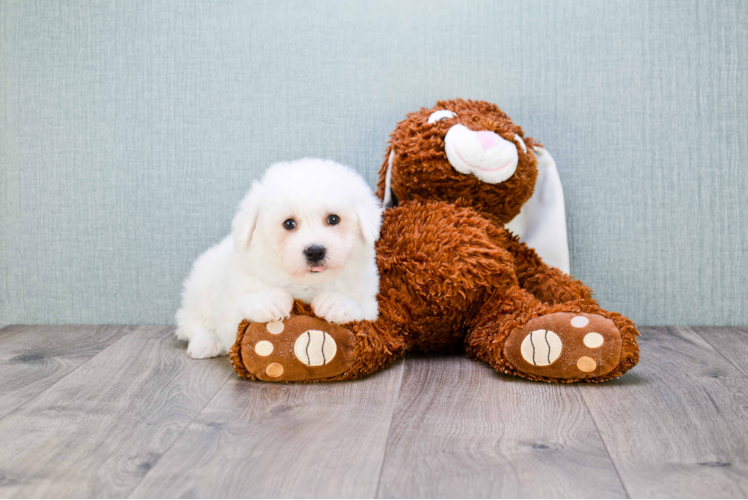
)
(548, 284)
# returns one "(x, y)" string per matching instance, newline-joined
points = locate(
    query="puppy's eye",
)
(333, 219)
(442, 114)
(289, 224)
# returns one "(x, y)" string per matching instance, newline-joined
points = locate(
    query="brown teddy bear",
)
(451, 277)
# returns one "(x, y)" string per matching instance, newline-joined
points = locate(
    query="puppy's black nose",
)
(314, 253)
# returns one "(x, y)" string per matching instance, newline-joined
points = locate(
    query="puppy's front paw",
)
(203, 346)
(274, 304)
(336, 308)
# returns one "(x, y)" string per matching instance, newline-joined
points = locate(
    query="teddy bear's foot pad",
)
(565, 345)
(300, 348)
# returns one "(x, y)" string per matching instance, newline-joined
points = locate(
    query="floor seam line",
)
(605, 444)
(389, 429)
(153, 466)
(135, 328)
(718, 351)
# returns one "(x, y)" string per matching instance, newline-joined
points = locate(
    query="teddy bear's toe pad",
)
(297, 349)
(565, 345)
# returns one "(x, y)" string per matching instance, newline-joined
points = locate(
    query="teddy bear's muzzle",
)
(484, 154)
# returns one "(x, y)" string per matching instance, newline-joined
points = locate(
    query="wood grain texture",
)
(99, 430)
(677, 426)
(461, 430)
(730, 342)
(270, 440)
(32, 358)
(141, 418)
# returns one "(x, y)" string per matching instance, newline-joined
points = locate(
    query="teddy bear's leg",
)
(306, 348)
(570, 342)
(548, 284)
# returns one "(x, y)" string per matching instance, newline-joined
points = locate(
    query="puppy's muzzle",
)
(314, 253)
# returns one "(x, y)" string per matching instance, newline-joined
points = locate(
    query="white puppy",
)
(305, 230)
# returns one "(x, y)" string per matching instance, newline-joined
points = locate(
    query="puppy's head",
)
(309, 219)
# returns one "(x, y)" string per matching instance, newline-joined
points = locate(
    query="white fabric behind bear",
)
(542, 222)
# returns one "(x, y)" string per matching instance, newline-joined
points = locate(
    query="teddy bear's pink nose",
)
(484, 154)
(488, 139)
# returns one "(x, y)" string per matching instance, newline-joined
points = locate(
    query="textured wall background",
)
(129, 131)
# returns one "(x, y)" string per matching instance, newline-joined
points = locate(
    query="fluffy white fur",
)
(257, 271)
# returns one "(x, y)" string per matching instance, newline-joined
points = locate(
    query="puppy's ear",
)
(369, 213)
(245, 220)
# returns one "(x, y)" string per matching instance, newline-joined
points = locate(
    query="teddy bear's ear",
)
(388, 201)
(541, 223)
(245, 220)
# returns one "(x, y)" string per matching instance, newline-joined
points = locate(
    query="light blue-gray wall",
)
(129, 131)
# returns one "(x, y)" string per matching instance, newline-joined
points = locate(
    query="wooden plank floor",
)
(124, 412)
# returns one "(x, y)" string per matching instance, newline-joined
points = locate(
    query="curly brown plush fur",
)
(452, 278)
(423, 173)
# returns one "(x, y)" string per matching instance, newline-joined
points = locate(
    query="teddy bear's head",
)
(460, 150)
